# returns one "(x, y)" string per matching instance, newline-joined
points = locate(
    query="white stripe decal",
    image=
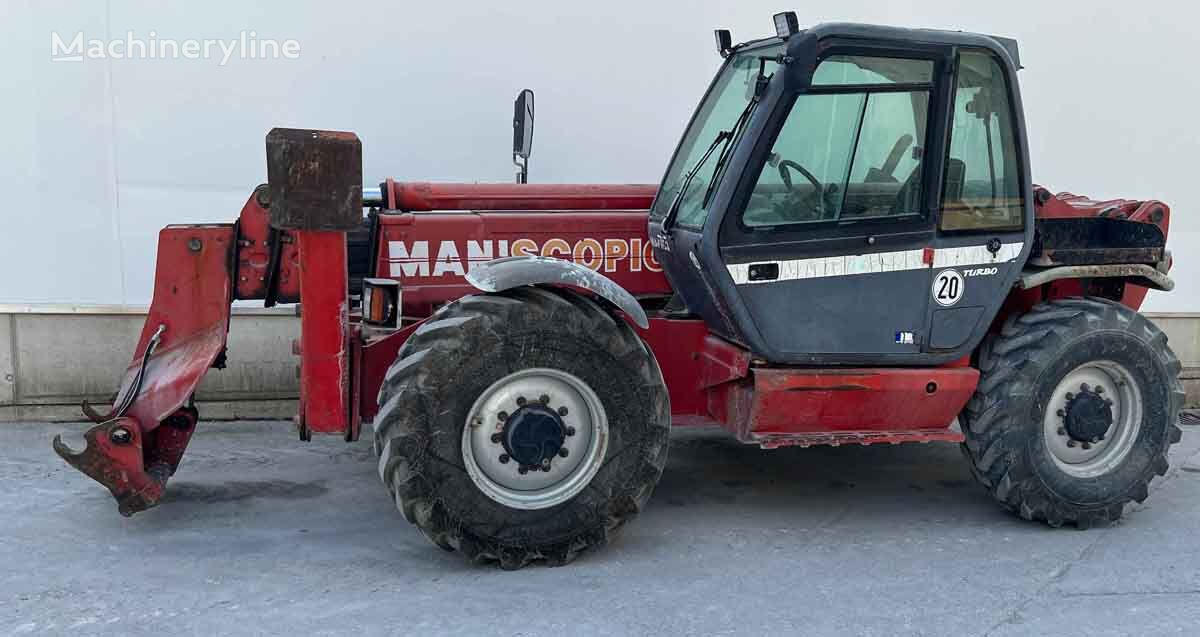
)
(975, 255)
(879, 262)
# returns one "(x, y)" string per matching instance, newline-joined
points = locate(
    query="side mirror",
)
(724, 42)
(523, 133)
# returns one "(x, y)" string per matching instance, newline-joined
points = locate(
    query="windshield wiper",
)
(669, 220)
(724, 136)
(723, 158)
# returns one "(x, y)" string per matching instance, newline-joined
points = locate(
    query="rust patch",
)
(315, 179)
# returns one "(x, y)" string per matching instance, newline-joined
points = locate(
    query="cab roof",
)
(930, 36)
(999, 44)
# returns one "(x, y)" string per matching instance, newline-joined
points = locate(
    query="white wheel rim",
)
(1087, 459)
(568, 476)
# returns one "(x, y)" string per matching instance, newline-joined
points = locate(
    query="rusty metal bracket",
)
(314, 179)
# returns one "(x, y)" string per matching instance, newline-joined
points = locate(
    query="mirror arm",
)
(522, 168)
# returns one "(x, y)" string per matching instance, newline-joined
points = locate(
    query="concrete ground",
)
(264, 534)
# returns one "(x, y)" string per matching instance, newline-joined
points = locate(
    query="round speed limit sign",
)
(947, 287)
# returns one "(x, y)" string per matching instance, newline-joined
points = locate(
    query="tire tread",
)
(1008, 364)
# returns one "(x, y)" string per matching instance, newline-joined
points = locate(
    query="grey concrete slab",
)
(51, 360)
(264, 534)
(8, 373)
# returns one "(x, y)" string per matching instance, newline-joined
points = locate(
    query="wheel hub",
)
(1092, 418)
(533, 434)
(535, 438)
(1088, 417)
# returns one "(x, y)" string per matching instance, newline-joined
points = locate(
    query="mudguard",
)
(511, 272)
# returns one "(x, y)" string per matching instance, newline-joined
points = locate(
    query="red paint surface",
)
(372, 365)
(602, 227)
(324, 332)
(710, 381)
(254, 254)
(1068, 205)
(692, 361)
(425, 196)
(429, 253)
(192, 293)
(119, 467)
(783, 402)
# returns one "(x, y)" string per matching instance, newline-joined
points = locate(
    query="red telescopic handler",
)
(846, 248)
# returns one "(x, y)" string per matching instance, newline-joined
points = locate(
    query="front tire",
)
(1077, 405)
(522, 426)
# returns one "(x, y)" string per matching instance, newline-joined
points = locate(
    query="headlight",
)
(381, 303)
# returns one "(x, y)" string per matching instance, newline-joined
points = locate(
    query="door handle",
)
(763, 272)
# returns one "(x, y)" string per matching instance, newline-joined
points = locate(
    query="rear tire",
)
(454, 363)
(1033, 436)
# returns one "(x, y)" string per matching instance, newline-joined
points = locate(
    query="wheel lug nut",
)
(522, 470)
(1070, 443)
(1061, 413)
(562, 411)
(496, 438)
(563, 452)
(1070, 396)
(521, 401)
(570, 431)
(502, 415)
(546, 464)
(544, 399)
(1062, 432)
(1083, 387)
(1087, 445)
(504, 458)
(1099, 389)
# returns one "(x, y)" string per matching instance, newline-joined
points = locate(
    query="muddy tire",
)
(556, 384)
(1077, 405)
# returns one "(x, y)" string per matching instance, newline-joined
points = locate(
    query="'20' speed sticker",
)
(947, 287)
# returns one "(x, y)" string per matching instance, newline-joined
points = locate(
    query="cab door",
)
(982, 235)
(830, 251)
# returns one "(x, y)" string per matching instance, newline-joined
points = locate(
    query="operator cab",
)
(851, 194)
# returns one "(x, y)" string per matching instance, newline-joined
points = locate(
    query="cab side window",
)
(982, 185)
(851, 147)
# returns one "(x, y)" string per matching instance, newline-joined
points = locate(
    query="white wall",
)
(98, 155)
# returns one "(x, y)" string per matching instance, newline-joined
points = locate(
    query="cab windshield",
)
(726, 100)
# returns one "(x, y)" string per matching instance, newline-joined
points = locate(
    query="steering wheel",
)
(787, 178)
(820, 192)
